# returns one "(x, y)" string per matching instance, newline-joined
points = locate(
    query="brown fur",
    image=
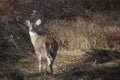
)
(45, 48)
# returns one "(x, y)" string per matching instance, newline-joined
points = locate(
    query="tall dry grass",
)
(80, 34)
(77, 25)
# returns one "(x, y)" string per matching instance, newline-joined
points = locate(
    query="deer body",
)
(45, 47)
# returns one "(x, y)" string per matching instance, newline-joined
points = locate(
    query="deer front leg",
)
(39, 66)
(39, 60)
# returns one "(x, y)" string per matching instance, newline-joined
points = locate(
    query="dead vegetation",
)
(87, 32)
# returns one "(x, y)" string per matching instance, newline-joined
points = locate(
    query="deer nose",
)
(32, 29)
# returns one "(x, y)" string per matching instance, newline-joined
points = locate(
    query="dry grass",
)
(88, 33)
(98, 64)
(81, 34)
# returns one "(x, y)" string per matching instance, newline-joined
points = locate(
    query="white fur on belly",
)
(32, 33)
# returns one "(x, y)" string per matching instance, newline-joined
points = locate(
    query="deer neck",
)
(33, 36)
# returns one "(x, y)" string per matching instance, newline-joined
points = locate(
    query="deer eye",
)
(35, 26)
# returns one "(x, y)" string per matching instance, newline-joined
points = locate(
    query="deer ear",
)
(27, 22)
(38, 22)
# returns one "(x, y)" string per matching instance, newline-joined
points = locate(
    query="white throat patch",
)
(32, 33)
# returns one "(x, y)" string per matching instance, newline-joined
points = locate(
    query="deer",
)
(45, 46)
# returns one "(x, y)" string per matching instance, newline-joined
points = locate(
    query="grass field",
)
(88, 33)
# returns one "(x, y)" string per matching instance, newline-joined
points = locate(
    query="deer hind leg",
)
(51, 64)
(50, 60)
(51, 67)
(53, 53)
(53, 56)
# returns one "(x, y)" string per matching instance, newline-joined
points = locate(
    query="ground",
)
(23, 65)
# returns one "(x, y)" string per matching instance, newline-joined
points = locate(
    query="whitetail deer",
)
(45, 46)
